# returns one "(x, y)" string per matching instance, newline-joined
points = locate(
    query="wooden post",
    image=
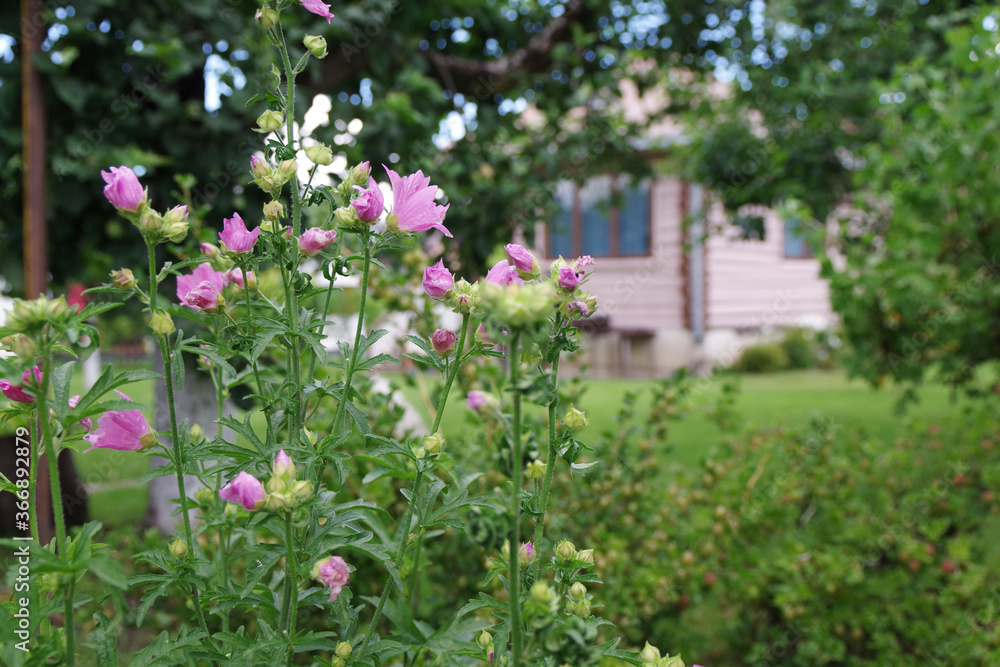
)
(35, 255)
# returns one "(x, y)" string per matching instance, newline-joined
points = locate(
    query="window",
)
(796, 246)
(588, 224)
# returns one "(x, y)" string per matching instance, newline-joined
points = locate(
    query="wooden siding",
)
(644, 293)
(751, 284)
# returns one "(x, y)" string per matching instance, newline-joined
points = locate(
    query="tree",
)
(126, 86)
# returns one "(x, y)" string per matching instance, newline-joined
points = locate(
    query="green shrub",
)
(800, 347)
(762, 358)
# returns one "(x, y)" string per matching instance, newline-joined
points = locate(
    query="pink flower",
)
(334, 573)
(413, 207)
(187, 285)
(568, 278)
(75, 297)
(476, 400)
(15, 392)
(580, 306)
(438, 281)
(443, 341)
(85, 422)
(370, 203)
(125, 430)
(235, 236)
(205, 297)
(235, 277)
(123, 189)
(527, 552)
(503, 273)
(318, 8)
(523, 261)
(245, 490)
(315, 239)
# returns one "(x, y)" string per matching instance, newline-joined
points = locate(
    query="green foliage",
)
(762, 358)
(917, 284)
(800, 347)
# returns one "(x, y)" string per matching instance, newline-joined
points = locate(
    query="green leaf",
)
(162, 646)
(61, 378)
(256, 571)
(108, 570)
(104, 641)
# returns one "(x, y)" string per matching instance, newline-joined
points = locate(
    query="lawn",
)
(788, 399)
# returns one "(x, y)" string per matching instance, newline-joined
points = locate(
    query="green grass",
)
(788, 399)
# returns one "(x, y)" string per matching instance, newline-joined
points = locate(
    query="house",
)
(668, 295)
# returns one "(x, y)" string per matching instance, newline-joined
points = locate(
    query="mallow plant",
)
(267, 545)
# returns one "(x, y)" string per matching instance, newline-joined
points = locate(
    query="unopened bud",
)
(268, 18)
(320, 154)
(178, 548)
(433, 444)
(196, 434)
(443, 341)
(575, 419)
(344, 649)
(123, 279)
(485, 640)
(161, 323)
(566, 551)
(270, 120)
(316, 45)
(302, 490)
(587, 556)
(650, 655)
(535, 470)
(287, 168)
(274, 211)
(151, 223)
(578, 591)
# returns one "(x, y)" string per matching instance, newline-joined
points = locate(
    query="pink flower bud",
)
(206, 297)
(568, 278)
(333, 572)
(209, 250)
(123, 189)
(235, 235)
(283, 465)
(438, 281)
(479, 401)
(370, 203)
(315, 239)
(525, 263)
(124, 430)
(15, 392)
(443, 341)
(259, 168)
(245, 490)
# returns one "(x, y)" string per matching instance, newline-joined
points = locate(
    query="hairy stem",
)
(515, 535)
(291, 587)
(175, 439)
(62, 540)
(450, 379)
(346, 395)
(403, 543)
(550, 467)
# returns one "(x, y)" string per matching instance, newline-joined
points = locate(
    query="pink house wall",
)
(752, 284)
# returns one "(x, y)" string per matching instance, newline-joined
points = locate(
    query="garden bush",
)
(800, 347)
(762, 358)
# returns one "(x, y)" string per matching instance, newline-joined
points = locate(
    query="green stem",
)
(221, 559)
(178, 450)
(33, 480)
(550, 467)
(403, 540)
(62, 540)
(346, 395)
(291, 587)
(293, 184)
(450, 379)
(515, 536)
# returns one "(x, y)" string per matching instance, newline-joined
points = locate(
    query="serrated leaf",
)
(104, 642)
(61, 378)
(261, 566)
(162, 646)
(108, 570)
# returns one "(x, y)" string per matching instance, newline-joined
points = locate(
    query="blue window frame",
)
(588, 224)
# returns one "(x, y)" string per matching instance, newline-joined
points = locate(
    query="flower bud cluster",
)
(283, 490)
(31, 316)
(271, 177)
(651, 657)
